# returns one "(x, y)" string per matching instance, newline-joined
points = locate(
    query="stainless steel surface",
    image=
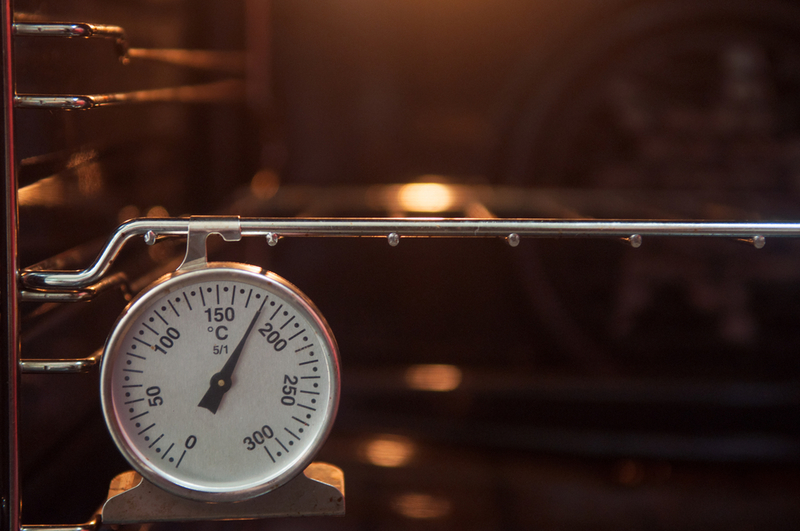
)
(117, 280)
(74, 30)
(92, 525)
(231, 62)
(200, 228)
(319, 491)
(413, 228)
(635, 240)
(217, 91)
(50, 366)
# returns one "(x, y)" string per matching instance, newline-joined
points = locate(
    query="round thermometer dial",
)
(220, 383)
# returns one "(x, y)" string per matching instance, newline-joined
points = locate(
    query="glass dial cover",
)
(220, 383)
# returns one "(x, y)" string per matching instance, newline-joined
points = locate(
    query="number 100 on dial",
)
(220, 383)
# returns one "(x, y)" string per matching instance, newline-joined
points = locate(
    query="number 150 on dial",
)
(220, 383)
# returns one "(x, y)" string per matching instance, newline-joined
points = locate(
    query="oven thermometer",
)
(220, 382)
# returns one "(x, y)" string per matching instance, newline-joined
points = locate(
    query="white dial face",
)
(221, 383)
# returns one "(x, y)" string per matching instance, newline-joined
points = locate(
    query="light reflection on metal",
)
(388, 451)
(47, 192)
(417, 228)
(216, 92)
(117, 280)
(232, 62)
(421, 506)
(75, 30)
(88, 171)
(425, 197)
(60, 188)
(42, 366)
(433, 377)
(157, 253)
(91, 525)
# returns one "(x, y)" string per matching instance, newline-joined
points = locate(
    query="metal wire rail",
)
(394, 229)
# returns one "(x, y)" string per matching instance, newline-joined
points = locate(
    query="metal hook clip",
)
(199, 228)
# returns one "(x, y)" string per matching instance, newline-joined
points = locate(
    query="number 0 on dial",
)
(220, 383)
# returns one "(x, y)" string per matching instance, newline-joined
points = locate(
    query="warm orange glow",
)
(425, 197)
(127, 212)
(265, 184)
(433, 377)
(47, 192)
(388, 451)
(421, 506)
(157, 212)
(86, 167)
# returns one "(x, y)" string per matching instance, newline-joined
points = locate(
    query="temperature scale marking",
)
(168, 449)
(269, 454)
(297, 334)
(160, 317)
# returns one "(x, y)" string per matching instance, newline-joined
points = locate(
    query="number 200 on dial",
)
(220, 383)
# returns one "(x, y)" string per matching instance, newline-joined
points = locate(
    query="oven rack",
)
(218, 91)
(394, 229)
(40, 284)
(72, 30)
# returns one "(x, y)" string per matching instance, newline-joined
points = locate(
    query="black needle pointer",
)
(221, 382)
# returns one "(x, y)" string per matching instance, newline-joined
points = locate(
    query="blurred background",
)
(561, 384)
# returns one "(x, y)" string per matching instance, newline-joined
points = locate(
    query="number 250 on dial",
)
(220, 383)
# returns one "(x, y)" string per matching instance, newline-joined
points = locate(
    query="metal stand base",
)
(319, 491)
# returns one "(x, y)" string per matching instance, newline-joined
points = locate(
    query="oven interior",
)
(560, 384)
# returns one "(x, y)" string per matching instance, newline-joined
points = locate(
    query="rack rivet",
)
(759, 241)
(513, 239)
(150, 237)
(394, 239)
(635, 240)
(272, 239)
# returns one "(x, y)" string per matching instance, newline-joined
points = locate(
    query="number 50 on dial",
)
(220, 383)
